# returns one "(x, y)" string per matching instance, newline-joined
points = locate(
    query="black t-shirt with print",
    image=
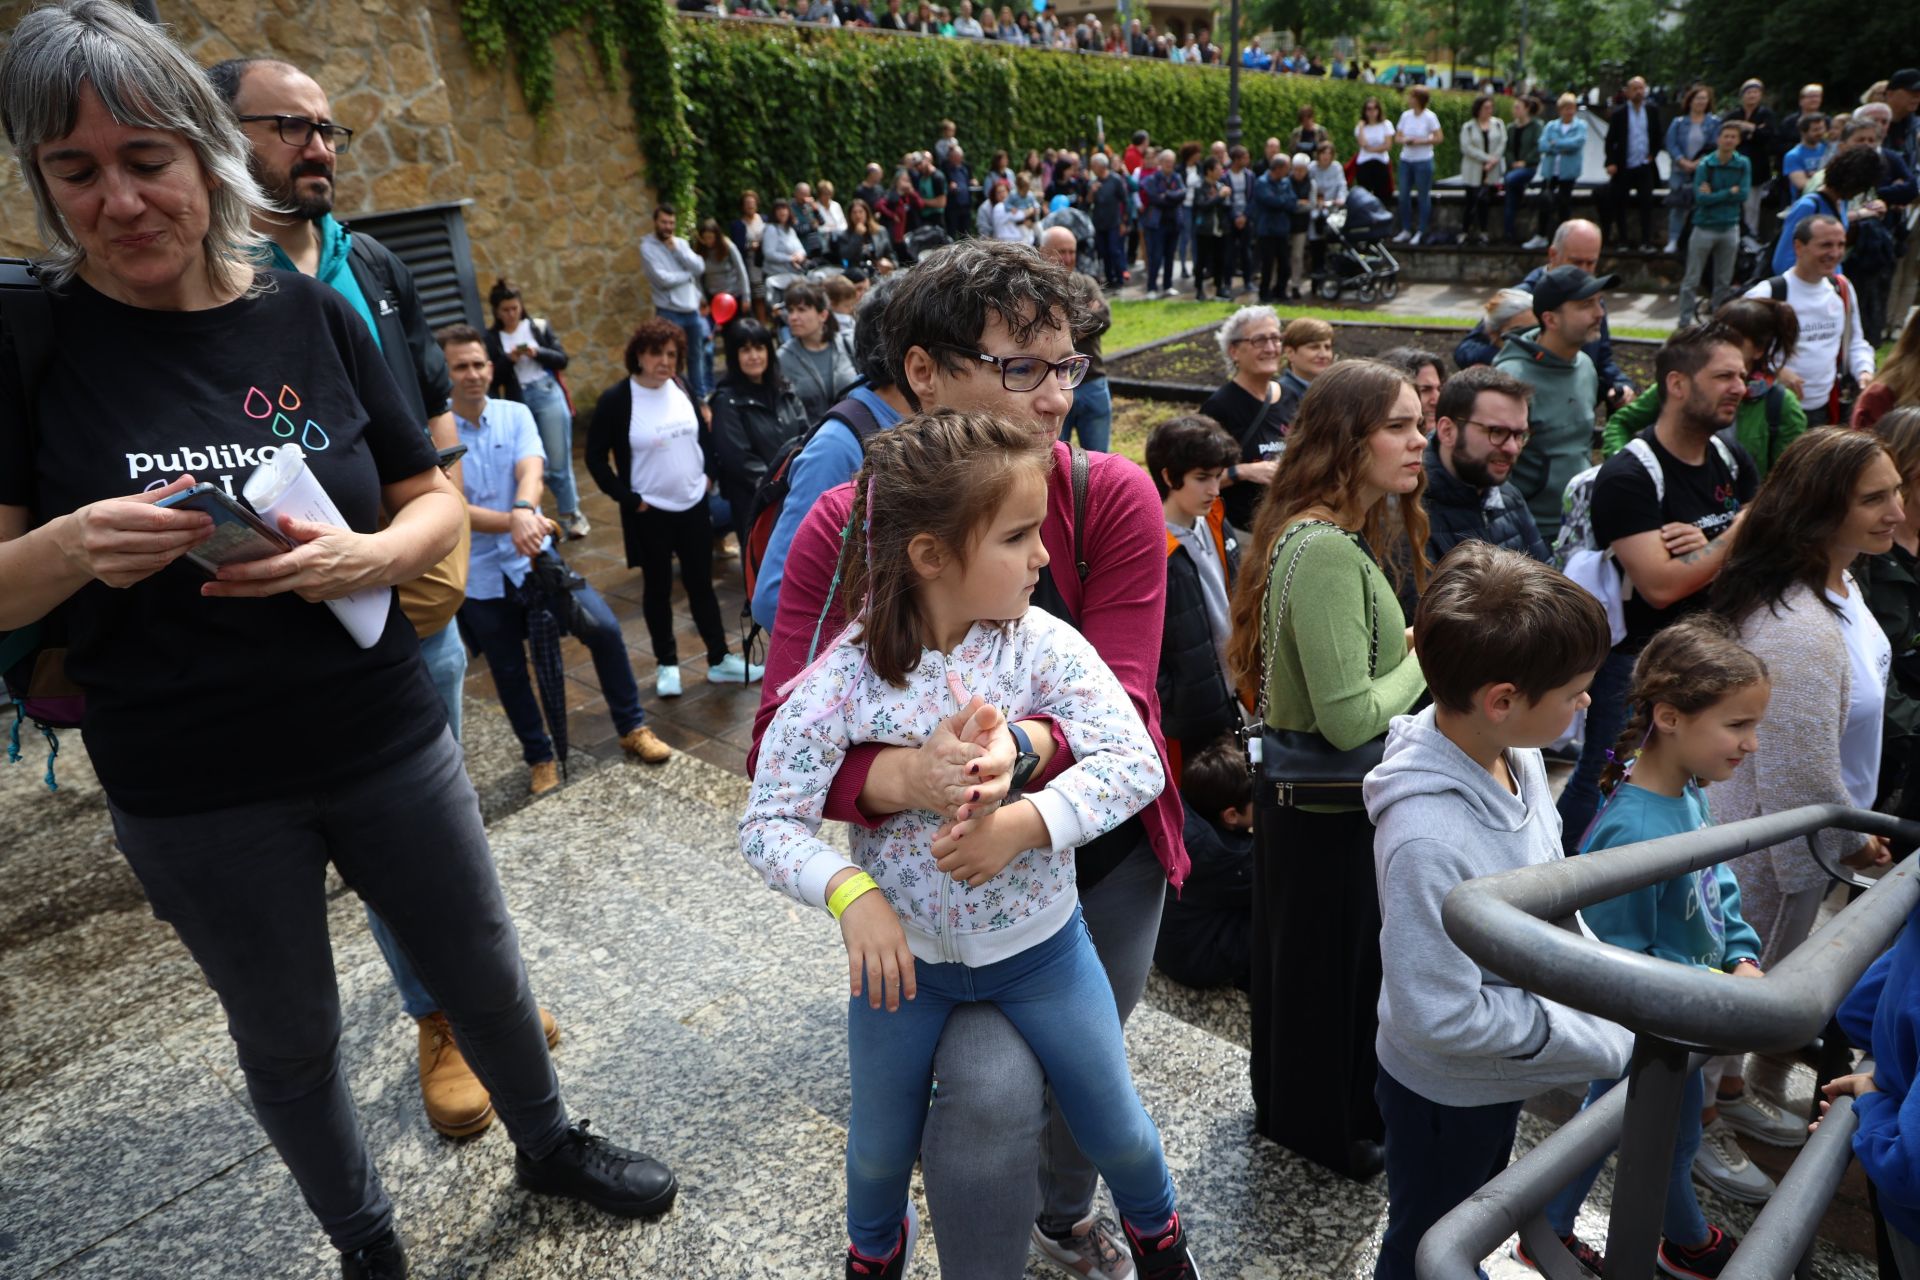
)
(1624, 504)
(197, 704)
(1233, 408)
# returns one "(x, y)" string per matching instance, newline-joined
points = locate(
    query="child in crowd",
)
(1187, 457)
(1697, 700)
(843, 299)
(1206, 928)
(1307, 347)
(1508, 647)
(980, 905)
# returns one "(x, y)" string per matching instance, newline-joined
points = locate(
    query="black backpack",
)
(763, 513)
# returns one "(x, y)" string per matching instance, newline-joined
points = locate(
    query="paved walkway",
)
(702, 1019)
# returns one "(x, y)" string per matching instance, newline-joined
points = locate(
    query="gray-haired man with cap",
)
(1565, 387)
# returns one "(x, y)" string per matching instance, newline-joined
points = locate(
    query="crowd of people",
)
(1403, 584)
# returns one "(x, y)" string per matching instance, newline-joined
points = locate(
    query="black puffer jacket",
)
(751, 425)
(1196, 701)
(1457, 512)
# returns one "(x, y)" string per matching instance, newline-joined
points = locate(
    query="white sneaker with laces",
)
(1096, 1251)
(666, 683)
(1402, 237)
(1761, 1120)
(1722, 1165)
(1538, 242)
(734, 670)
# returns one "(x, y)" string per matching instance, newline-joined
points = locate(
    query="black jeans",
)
(687, 536)
(1276, 267)
(1210, 263)
(245, 888)
(1641, 180)
(1558, 207)
(1437, 1156)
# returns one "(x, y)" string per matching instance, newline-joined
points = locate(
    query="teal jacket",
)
(1692, 919)
(1730, 185)
(1561, 416)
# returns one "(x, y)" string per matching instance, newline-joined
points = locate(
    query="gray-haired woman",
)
(1244, 405)
(139, 177)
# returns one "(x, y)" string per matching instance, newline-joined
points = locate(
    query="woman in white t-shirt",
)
(646, 450)
(1371, 168)
(1832, 497)
(527, 360)
(1418, 134)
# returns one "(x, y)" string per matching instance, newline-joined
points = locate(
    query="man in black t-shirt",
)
(1669, 534)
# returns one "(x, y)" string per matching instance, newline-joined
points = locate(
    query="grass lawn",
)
(1136, 323)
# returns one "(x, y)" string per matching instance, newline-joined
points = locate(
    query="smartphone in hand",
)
(238, 534)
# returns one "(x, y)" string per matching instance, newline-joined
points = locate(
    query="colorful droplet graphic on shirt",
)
(258, 405)
(247, 405)
(283, 426)
(288, 393)
(314, 437)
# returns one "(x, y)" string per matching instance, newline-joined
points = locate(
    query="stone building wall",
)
(559, 205)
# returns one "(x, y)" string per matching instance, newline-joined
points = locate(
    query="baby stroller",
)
(1357, 256)
(922, 241)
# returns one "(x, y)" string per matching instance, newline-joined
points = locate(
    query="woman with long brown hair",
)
(1319, 633)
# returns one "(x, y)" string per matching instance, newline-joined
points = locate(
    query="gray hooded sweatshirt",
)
(1451, 1031)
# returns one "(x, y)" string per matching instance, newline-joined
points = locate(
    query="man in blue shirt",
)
(1803, 161)
(504, 470)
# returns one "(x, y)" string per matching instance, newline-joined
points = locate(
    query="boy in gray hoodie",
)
(1509, 647)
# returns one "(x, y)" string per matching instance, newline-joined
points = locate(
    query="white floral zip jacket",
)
(1036, 666)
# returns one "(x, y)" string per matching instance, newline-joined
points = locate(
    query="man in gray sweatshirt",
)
(1508, 647)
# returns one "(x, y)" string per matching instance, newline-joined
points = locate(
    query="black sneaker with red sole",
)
(1583, 1253)
(1704, 1263)
(894, 1265)
(1163, 1256)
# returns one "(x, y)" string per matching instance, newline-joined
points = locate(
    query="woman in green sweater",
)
(1770, 418)
(1340, 666)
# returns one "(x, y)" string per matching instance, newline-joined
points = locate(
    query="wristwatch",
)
(1025, 762)
(521, 504)
(1233, 474)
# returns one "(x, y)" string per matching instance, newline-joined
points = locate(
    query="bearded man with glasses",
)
(1480, 427)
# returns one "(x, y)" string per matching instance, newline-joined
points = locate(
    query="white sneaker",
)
(1757, 1118)
(667, 682)
(576, 525)
(1538, 242)
(1722, 1165)
(1417, 239)
(1095, 1252)
(734, 670)
(1152, 294)
(1673, 246)
(1401, 237)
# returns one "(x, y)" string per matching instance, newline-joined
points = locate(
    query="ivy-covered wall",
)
(771, 106)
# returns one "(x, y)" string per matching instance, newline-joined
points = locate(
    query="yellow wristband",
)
(843, 896)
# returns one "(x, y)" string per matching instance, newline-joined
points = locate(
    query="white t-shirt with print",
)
(1824, 323)
(664, 431)
(1870, 657)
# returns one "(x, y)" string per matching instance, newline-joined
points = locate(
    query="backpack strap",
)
(1777, 286)
(1643, 454)
(1080, 470)
(26, 325)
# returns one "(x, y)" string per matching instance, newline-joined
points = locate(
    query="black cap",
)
(1561, 285)
(1907, 78)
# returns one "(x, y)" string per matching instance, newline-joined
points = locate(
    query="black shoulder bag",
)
(1297, 767)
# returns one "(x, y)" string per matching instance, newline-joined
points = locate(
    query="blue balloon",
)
(1058, 203)
(1039, 6)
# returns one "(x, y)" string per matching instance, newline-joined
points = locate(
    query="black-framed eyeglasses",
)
(298, 131)
(1261, 340)
(1499, 436)
(1024, 373)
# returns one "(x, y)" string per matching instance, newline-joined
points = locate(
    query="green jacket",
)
(1892, 586)
(1317, 676)
(1750, 426)
(1730, 185)
(1561, 416)
(1523, 145)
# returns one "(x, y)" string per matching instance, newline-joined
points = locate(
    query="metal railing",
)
(1519, 924)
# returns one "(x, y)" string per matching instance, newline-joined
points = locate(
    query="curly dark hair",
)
(655, 334)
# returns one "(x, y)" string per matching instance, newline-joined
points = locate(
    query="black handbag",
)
(1297, 767)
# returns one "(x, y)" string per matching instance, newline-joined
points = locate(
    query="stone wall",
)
(558, 206)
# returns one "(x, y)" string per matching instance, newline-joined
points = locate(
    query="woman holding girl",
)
(939, 913)
(645, 452)
(1375, 135)
(527, 360)
(1317, 629)
(1698, 698)
(1008, 221)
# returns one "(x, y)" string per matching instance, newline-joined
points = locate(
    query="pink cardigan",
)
(1121, 609)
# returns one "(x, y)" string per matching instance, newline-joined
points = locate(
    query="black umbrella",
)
(549, 676)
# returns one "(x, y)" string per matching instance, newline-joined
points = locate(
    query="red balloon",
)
(724, 307)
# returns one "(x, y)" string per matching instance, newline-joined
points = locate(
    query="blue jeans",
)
(699, 366)
(555, 420)
(1162, 247)
(1091, 415)
(500, 629)
(1183, 249)
(1416, 173)
(1113, 254)
(1058, 997)
(445, 654)
(1683, 1222)
(1437, 1156)
(1606, 717)
(1517, 182)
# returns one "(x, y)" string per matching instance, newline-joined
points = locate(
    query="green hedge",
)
(772, 106)
(750, 104)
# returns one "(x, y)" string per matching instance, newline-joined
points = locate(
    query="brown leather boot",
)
(457, 1103)
(552, 1028)
(642, 742)
(543, 777)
